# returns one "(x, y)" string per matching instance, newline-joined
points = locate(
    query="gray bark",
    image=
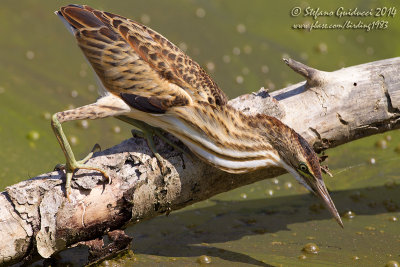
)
(328, 109)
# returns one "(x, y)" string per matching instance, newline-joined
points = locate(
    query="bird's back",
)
(150, 73)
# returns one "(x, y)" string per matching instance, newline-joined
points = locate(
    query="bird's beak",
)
(319, 189)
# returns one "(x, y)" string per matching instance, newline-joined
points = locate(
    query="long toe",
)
(95, 148)
(88, 167)
(161, 163)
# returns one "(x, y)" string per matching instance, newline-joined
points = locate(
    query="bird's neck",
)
(227, 138)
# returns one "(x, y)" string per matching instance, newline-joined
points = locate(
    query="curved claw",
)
(59, 167)
(96, 147)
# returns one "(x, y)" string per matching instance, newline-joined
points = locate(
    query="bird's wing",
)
(135, 62)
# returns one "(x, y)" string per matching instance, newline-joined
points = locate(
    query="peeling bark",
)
(329, 109)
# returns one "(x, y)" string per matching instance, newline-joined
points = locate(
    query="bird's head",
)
(299, 159)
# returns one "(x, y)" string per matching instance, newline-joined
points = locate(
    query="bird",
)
(150, 83)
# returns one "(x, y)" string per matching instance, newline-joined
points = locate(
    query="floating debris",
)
(116, 129)
(241, 28)
(203, 259)
(83, 73)
(264, 69)
(392, 264)
(360, 39)
(210, 66)
(392, 219)
(243, 195)
(247, 49)
(239, 79)
(370, 51)
(84, 124)
(226, 59)
(322, 48)
(311, 248)
(73, 140)
(145, 19)
(288, 185)
(74, 93)
(30, 55)
(200, 12)
(270, 85)
(269, 192)
(372, 161)
(349, 215)
(46, 115)
(236, 51)
(33, 135)
(382, 144)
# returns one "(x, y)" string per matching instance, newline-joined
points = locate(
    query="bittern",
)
(146, 78)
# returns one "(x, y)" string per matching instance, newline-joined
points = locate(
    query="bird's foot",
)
(148, 134)
(73, 165)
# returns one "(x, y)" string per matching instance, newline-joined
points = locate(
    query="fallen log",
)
(328, 109)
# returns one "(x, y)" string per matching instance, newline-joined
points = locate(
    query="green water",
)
(42, 71)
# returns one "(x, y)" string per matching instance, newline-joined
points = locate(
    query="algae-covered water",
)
(241, 44)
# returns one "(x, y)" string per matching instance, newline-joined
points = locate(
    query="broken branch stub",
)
(314, 77)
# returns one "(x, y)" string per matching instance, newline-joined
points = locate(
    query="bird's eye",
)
(303, 167)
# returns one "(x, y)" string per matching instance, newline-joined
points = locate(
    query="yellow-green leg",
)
(72, 164)
(109, 105)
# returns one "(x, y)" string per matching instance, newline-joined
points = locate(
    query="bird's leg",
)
(149, 136)
(147, 132)
(72, 164)
(104, 107)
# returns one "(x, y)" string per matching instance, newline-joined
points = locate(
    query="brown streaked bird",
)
(147, 80)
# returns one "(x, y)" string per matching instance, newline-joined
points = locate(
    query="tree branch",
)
(330, 109)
